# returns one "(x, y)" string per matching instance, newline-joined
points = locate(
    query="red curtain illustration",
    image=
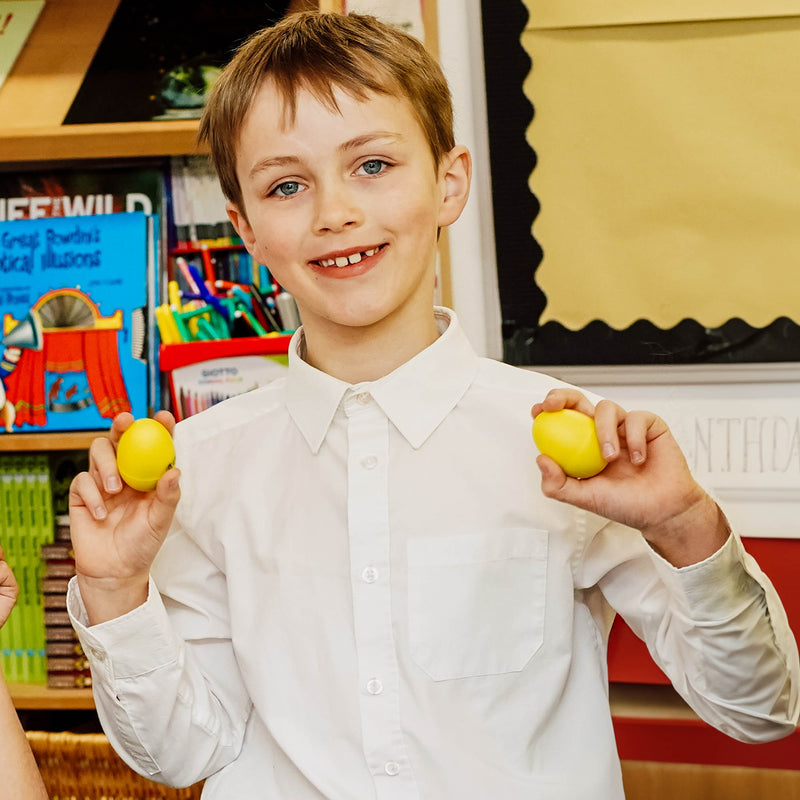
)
(92, 350)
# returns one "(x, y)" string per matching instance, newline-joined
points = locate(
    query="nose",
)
(336, 207)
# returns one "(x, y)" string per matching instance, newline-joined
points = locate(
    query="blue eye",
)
(287, 189)
(373, 166)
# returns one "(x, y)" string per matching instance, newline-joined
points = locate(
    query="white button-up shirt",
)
(365, 595)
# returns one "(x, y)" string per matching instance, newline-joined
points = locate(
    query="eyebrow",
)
(351, 144)
(368, 138)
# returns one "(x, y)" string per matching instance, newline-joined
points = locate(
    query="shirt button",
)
(391, 768)
(374, 686)
(369, 574)
(369, 462)
(363, 398)
(99, 654)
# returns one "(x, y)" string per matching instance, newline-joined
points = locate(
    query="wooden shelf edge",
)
(109, 140)
(34, 697)
(54, 440)
(648, 701)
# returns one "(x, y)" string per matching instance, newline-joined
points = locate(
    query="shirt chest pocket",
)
(477, 601)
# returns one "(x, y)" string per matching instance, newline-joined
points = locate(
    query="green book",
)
(6, 526)
(26, 523)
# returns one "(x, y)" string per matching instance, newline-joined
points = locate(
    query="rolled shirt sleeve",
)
(716, 628)
(150, 691)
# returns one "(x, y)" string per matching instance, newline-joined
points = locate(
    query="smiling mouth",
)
(348, 260)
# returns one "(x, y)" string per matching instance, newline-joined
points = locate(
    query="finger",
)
(167, 420)
(103, 465)
(120, 424)
(639, 428)
(85, 494)
(566, 397)
(558, 486)
(165, 500)
(607, 418)
(553, 477)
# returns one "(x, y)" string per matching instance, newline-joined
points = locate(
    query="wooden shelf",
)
(30, 697)
(66, 440)
(648, 701)
(109, 140)
(44, 81)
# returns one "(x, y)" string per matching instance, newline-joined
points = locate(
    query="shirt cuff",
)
(131, 645)
(715, 589)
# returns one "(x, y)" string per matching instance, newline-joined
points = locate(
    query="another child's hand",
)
(8, 589)
(117, 531)
(647, 484)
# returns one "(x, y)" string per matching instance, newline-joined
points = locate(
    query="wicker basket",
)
(85, 767)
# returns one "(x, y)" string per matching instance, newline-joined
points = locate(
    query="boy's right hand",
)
(117, 531)
(9, 590)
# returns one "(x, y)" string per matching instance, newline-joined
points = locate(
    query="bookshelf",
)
(44, 82)
(45, 79)
(33, 102)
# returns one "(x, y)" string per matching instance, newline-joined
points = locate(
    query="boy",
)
(21, 778)
(364, 591)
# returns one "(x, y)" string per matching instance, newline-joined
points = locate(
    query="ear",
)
(241, 225)
(455, 174)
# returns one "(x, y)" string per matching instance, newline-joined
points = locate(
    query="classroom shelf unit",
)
(45, 79)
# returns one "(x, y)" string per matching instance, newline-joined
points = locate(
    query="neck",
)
(367, 353)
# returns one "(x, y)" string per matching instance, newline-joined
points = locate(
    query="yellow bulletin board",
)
(665, 178)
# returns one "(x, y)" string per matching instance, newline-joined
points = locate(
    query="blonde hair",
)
(320, 52)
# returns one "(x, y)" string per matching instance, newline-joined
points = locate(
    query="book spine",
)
(66, 666)
(27, 524)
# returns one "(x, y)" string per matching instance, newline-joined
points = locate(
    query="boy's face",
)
(344, 208)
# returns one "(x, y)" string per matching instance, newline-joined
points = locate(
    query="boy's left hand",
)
(647, 484)
(8, 589)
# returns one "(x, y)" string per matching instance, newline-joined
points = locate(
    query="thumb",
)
(554, 480)
(165, 500)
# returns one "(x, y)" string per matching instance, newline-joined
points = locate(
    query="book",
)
(77, 320)
(197, 205)
(81, 679)
(65, 662)
(102, 189)
(26, 526)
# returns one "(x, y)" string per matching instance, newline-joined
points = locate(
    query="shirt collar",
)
(416, 397)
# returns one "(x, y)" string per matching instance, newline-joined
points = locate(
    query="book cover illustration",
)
(34, 194)
(73, 303)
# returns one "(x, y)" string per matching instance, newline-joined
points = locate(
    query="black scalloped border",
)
(525, 340)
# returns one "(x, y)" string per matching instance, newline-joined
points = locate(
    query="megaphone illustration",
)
(26, 334)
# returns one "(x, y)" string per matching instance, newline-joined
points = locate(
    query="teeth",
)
(343, 261)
